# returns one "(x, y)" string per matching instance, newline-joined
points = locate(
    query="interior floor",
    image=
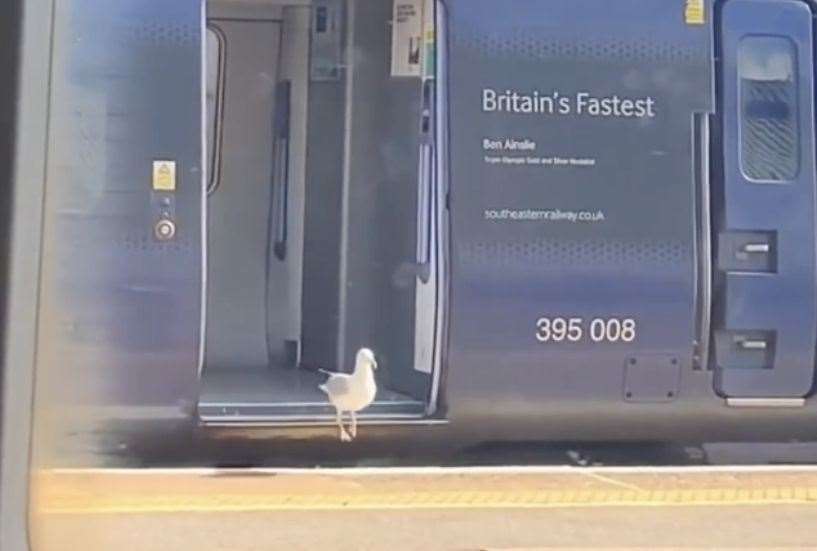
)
(275, 384)
(284, 393)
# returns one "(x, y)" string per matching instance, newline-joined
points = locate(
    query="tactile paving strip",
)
(98, 492)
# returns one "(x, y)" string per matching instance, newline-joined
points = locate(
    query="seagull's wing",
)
(338, 384)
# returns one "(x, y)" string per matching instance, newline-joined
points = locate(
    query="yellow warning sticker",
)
(164, 175)
(695, 13)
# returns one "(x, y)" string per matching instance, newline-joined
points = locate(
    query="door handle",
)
(426, 184)
(756, 248)
(703, 292)
(753, 344)
(425, 208)
(280, 183)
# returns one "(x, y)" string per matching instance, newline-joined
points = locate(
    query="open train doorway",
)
(324, 219)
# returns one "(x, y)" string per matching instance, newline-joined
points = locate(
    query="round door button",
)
(165, 230)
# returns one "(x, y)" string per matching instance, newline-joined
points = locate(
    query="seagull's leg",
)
(344, 436)
(353, 428)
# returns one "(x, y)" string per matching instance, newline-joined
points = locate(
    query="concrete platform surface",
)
(447, 509)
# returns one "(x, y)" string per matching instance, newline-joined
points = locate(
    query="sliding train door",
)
(765, 319)
(574, 182)
(121, 286)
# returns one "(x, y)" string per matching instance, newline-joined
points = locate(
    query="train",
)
(549, 220)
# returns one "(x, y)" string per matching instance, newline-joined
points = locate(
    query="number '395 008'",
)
(598, 330)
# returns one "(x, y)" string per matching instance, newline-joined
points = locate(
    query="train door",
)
(120, 286)
(323, 212)
(765, 315)
(573, 205)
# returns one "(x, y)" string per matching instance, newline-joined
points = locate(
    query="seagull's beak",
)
(367, 356)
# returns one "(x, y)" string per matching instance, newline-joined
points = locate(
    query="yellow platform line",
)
(73, 503)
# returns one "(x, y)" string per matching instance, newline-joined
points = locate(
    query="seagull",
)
(352, 393)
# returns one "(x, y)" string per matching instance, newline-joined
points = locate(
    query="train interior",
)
(319, 237)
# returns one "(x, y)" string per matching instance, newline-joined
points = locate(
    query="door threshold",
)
(269, 422)
(309, 414)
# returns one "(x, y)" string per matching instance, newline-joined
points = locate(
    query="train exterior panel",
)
(550, 220)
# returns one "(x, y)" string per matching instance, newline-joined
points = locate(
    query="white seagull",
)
(352, 393)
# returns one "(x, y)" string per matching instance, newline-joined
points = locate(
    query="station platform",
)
(491, 508)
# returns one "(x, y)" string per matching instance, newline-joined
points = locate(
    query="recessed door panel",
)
(766, 318)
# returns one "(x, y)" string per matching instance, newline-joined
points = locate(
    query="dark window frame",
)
(217, 122)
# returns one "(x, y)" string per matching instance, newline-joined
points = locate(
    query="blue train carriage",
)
(549, 220)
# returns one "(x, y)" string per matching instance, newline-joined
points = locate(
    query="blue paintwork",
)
(120, 310)
(638, 263)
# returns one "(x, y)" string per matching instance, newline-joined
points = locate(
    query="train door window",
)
(214, 92)
(768, 104)
(324, 231)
